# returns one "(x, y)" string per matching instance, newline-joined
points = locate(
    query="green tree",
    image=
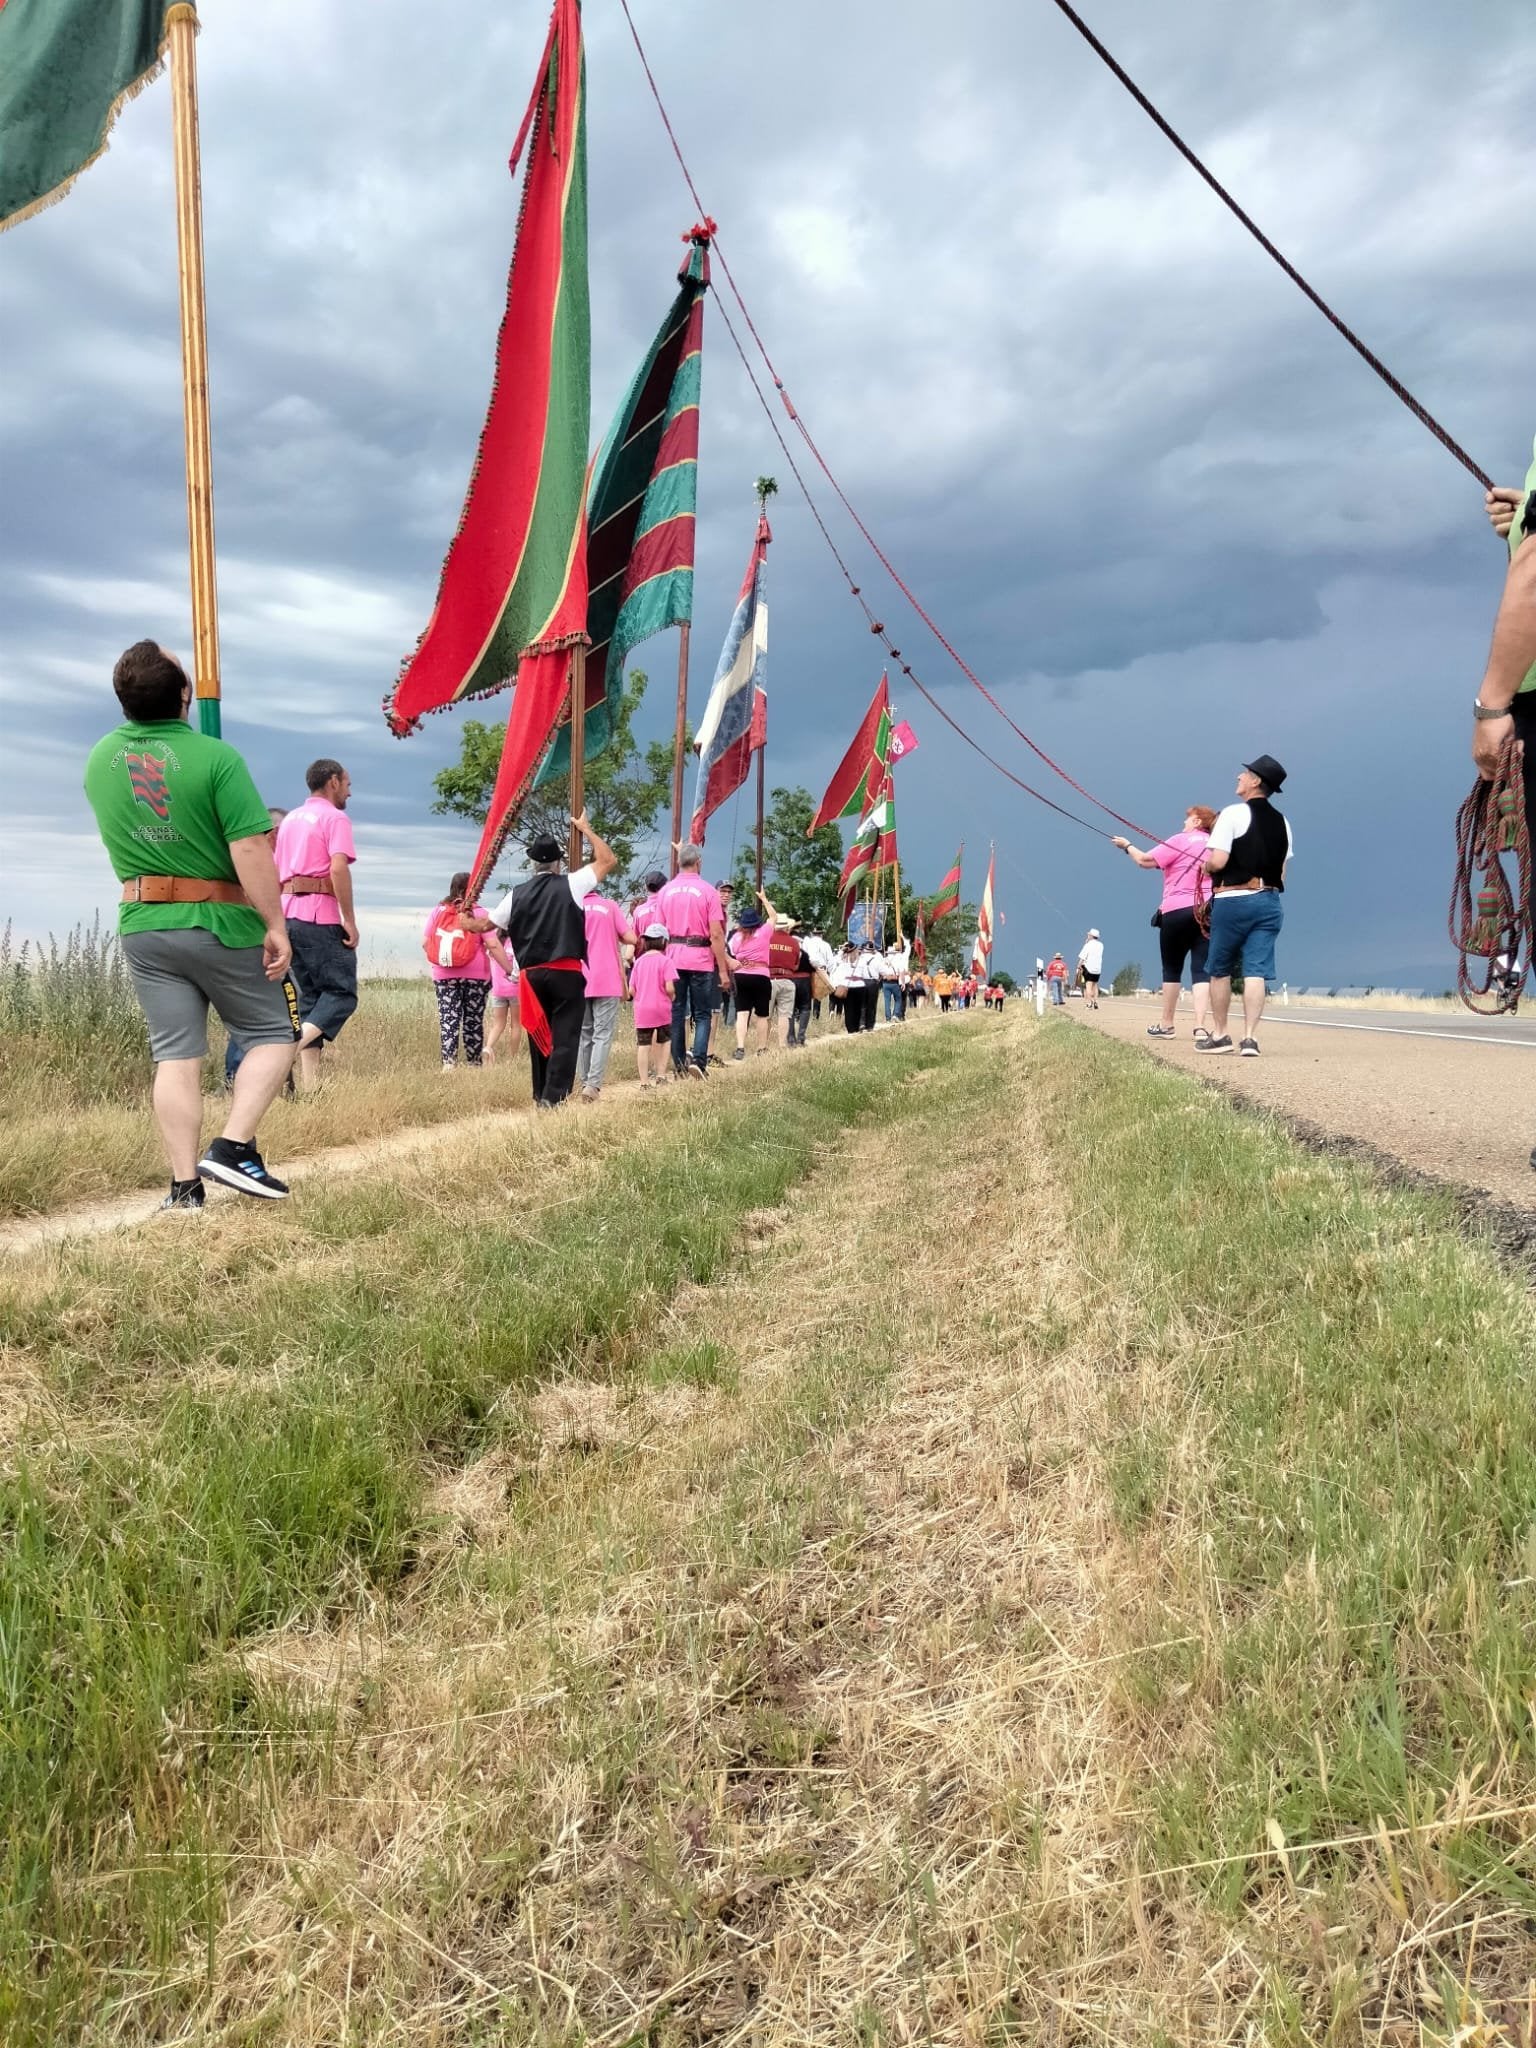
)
(799, 874)
(1127, 979)
(626, 790)
(951, 939)
(1006, 981)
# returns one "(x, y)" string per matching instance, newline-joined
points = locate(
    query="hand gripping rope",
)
(1489, 921)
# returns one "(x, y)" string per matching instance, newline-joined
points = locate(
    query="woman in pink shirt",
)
(749, 948)
(1178, 930)
(651, 982)
(504, 1019)
(459, 959)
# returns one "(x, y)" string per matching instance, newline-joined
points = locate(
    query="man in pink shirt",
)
(691, 910)
(608, 928)
(314, 854)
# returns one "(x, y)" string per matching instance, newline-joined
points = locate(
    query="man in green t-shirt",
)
(201, 920)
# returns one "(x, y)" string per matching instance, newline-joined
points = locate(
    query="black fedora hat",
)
(1267, 769)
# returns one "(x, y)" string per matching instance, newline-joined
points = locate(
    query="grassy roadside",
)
(1322, 1445)
(70, 1134)
(949, 1597)
(217, 1431)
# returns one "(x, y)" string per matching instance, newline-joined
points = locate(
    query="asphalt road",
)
(1432, 1089)
(1465, 1029)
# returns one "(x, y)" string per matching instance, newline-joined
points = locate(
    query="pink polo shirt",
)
(306, 841)
(687, 906)
(608, 927)
(648, 984)
(1180, 858)
(751, 950)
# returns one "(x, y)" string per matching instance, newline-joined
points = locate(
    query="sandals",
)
(1162, 1031)
(1202, 1036)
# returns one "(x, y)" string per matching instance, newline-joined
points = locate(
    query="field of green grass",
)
(966, 1538)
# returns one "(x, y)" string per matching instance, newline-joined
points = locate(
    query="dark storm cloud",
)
(1156, 501)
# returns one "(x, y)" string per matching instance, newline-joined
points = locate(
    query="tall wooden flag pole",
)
(680, 738)
(761, 752)
(182, 26)
(766, 488)
(578, 747)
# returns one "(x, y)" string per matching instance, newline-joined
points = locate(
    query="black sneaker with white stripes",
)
(185, 1198)
(240, 1166)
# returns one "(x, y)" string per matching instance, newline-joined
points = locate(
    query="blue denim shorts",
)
(1243, 934)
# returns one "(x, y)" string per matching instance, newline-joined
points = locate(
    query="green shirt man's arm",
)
(258, 878)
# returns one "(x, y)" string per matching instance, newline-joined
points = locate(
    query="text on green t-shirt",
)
(168, 800)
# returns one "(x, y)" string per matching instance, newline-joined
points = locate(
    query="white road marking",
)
(1405, 1031)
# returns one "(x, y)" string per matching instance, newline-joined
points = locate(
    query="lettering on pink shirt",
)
(1180, 858)
(687, 906)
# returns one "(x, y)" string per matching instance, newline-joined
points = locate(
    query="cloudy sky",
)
(1146, 489)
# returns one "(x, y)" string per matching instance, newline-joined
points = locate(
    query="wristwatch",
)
(1482, 711)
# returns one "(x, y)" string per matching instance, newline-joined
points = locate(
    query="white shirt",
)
(582, 880)
(818, 952)
(897, 959)
(1091, 958)
(1230, 826)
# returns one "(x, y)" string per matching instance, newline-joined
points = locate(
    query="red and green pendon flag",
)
(864, 773)
(920, 939)
(67, 68)
(947, 897)
(873, 848)
(514, 585)
(641, 507)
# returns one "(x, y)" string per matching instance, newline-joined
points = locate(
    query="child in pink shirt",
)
(651, 981)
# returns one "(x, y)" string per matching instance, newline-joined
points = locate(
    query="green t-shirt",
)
(168, 801)
(1521, 531)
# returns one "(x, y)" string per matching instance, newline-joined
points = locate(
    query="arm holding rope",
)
(1142, 860)
(1509, 658)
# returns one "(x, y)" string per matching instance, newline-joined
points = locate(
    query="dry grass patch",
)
(786, 1723)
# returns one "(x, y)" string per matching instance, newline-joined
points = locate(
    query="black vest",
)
(545, 923)
(1259, 853)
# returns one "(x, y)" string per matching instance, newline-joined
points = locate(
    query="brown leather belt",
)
(308, 885)
(182, 889)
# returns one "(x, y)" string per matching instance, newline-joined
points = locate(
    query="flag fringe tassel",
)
(63, 190)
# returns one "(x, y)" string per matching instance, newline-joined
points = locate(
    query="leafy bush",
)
(68, 1013)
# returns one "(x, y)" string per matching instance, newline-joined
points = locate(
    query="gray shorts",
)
(782, 997)
(177, 975)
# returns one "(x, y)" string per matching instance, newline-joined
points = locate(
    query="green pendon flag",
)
(947, 897)
(873, 848)
(864, 773)
(514, 584)
(66, 69)
(641, 506)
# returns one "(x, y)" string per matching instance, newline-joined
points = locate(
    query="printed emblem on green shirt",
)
(168, 801)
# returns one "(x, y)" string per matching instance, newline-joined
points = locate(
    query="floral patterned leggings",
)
(461, 1008)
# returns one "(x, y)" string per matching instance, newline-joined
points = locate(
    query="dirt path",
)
(1460, 1111)
(124, 1212)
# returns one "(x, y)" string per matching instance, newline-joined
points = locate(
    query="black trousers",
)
(563, 993)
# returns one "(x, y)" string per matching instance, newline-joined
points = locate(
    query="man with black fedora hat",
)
(1250, 845)
(544, 920)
